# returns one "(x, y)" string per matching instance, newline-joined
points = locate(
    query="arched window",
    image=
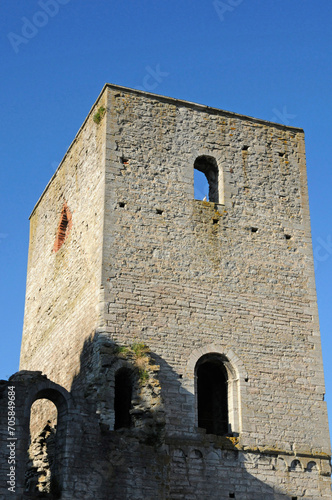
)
(206, 185)
(212, 395)
(41, 471)
(312, 467)
(46, 465)
(122, 398)
(227, 395)
(295, 466)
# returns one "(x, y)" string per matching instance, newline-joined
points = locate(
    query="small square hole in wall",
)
(124, 161)
(245, 148)
(294, 498)
(159, 212)
(231, 495)
(254, 229)
(281, 154)
(215, 221)
(287, 236)
(122, 204)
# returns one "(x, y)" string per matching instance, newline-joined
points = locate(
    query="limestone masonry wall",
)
(136, 291)
(197, 275)
(63, 286)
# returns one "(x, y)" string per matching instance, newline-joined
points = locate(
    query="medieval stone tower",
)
(171, 346)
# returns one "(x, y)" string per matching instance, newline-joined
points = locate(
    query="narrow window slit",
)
(254, 229)
(122, 398)
(122, 204)
(159, 212)
(245, 148)
(64, 227)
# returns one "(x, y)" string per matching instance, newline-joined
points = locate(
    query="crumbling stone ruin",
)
(171, 345)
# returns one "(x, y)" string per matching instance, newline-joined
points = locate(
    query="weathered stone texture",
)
(179, 281)
(63, 287)
(143, 262)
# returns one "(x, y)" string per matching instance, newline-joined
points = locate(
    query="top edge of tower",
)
(177, 102)
(202, 107)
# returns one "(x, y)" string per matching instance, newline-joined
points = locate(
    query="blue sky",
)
(264, 58)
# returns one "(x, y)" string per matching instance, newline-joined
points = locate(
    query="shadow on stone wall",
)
(158, 456)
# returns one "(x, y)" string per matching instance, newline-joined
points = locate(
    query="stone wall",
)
(182, 274)
(63, 285)
(89, 460)
(122, 255)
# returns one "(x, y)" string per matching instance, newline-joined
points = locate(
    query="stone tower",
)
(176, 339)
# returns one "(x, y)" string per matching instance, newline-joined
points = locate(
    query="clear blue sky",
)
(264, 58)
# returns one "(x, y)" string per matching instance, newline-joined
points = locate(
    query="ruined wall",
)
(181, 274)
(63, 286)
(186, 276)
(146, 263)
(86, 460)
